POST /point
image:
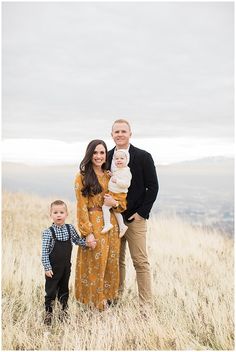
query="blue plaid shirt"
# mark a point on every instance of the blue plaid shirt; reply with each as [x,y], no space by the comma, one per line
[61,235]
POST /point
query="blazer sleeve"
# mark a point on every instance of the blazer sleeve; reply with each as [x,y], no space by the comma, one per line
[151,185]
[84,225]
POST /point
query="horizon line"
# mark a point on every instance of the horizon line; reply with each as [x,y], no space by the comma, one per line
[50,164]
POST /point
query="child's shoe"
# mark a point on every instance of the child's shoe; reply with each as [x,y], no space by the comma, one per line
[48,318]
[107,228]
[63,315]
[123,231]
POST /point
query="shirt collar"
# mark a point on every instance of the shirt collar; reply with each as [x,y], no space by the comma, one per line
[127,149]
[57,227]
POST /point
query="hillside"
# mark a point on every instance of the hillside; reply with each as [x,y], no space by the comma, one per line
[192,284]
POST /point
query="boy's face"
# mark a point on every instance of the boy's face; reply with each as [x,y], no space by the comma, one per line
[59,214]
[120,160]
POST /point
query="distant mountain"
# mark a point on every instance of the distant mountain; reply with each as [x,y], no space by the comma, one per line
[202,190]
[217,160]
[210,159]
[41,180]
[206,166]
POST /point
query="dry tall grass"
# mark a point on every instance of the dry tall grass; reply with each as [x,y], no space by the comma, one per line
[192,283]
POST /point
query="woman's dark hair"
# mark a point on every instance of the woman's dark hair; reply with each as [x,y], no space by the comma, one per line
[90,180]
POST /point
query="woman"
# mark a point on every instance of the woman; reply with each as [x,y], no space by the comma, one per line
[97,271]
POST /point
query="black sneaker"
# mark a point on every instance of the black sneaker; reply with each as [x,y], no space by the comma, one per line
[48,319]
[112,303]
[63,315]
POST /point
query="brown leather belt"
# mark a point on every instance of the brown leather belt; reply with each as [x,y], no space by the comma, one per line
[95,208]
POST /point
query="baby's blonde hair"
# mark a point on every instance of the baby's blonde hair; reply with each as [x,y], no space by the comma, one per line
[120,151]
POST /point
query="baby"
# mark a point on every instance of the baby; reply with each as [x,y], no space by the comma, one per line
[118,187]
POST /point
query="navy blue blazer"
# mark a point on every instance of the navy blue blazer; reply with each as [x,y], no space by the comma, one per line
[144,186]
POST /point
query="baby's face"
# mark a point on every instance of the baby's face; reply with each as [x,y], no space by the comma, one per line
[120,160]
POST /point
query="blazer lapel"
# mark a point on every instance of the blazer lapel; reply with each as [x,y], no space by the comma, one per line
[110,156]
[131,154]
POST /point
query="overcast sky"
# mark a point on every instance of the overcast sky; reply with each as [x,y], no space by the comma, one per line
[70,68]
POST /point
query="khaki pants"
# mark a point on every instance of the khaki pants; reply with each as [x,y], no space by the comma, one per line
[136,238]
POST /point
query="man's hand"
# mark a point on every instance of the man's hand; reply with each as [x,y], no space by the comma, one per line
[49,273]
[136,217]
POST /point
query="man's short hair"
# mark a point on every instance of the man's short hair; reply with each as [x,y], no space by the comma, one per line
[121,121]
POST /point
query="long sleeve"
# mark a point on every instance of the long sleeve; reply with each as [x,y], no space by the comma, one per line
[121,207]
[84,225]
[46,241]
[75,238]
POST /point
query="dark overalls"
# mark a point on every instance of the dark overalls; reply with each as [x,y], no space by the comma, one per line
[60,260]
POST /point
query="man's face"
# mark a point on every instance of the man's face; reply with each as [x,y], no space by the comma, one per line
[121,135]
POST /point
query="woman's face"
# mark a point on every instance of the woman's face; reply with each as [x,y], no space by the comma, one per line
[99,156]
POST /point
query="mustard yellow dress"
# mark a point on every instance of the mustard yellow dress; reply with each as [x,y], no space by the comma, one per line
[97,271]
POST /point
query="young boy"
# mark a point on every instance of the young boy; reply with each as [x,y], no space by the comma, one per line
[56,258]
[118,187]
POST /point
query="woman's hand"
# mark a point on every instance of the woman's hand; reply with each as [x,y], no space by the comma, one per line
[90,241]
[113,179]
[109,201]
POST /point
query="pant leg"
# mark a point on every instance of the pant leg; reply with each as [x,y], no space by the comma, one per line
[136,238]
[63,287]
[51,288]
[122,264]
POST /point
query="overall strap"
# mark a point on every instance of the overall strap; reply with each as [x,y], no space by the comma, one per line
[53,232]
[68,230]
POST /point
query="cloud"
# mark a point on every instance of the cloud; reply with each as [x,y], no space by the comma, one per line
[164,65]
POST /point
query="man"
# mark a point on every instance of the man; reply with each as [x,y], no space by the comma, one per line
[140,198]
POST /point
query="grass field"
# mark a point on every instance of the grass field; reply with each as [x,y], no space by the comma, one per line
[192,284]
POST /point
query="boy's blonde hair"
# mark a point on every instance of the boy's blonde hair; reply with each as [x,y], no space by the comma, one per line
[58,202]
[121,121]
